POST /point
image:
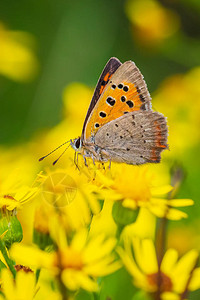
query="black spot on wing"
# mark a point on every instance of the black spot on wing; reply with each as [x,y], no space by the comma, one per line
[110,101]
[102,114]
[143,107]
[130,103]
[125,88]
[142,98]
[123,98]
[96,125]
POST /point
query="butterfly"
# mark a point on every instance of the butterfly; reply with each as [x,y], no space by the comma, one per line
[120,125]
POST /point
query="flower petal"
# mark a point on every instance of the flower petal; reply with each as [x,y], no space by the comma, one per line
[169,260]
[180,202]
[161,190]
[195,280]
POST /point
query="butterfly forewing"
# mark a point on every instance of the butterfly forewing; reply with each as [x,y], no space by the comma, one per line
[109,69]
[125,92]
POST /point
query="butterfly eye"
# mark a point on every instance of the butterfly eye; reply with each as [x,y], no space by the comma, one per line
[77,143]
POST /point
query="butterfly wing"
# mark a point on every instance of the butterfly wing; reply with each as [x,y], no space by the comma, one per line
[137,138]
[125,92]
[109,69]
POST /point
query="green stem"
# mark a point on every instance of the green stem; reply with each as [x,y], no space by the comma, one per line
[7,259]
[37,274]
[95,296]
[119,231]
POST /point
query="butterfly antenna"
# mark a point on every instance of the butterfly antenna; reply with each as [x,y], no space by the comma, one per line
[60,155]
[41,158]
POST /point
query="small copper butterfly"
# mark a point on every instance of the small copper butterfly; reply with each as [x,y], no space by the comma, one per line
[120,125]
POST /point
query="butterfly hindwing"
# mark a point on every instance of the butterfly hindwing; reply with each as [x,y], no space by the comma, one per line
[125,92]
[109,69]
[137,138]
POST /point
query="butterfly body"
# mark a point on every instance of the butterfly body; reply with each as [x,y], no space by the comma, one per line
[120,125]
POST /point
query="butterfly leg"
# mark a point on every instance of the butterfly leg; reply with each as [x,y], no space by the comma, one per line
[110,164]
[93,159]
[76,160]
[84,157]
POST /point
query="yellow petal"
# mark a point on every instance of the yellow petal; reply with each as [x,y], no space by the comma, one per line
[195,280]
[169,261]
[97,248]
[182,269]
[181,202]
[103,267]
[79,240]
[130,203]
[145,255]
[25,285]
[131,266]
[77,279]
[8,284]
[149,256]
[169,296]
[162,190]
[175,214]
[39,258]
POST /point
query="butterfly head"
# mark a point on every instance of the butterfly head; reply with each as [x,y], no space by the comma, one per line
[76,144]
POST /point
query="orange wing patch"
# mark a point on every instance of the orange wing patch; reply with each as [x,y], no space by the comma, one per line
[159,143]
[104,82]
[159,136]
[116,101]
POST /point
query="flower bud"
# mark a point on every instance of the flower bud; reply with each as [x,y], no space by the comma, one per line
[123,215]
[10,227]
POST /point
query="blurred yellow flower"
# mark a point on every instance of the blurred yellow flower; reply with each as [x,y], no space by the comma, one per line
[136,189]
[79,262]
[175,97]
[152,23]
[73,196]
[171,280]
[17,60]
[76,95]
[13,194]
[23,287]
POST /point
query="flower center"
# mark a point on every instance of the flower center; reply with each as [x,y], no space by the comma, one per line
[69,258]
[161,281]
[23,268]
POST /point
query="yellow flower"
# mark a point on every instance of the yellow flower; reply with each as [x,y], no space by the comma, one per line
[79,262]
[174,98]
[13,194]
[171,279]
[17,60]
[23,287]
[152,23]
[136,189]
[70,193]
